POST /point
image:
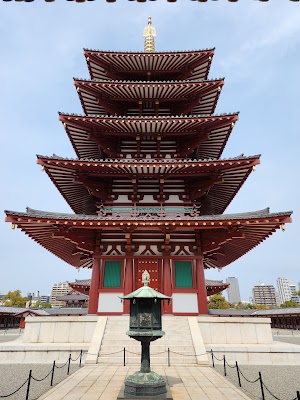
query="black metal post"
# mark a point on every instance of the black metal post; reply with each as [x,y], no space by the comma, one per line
[124,356]
[169,357]
[212,358]
[238,373]
[261,386]
[69,362]
[224,363]
[298,395]
[80,358]
[52,375]
[28,384]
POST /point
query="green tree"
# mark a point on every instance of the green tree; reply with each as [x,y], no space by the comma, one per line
[260,306]
[240,306]
[289,304]
[250,306]
[39,304]
[217,301]
[14,299]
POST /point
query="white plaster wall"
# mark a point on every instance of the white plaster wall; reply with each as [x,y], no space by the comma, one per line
[110,302]
[174,198]
[235,330]
[185,303]
[148,198]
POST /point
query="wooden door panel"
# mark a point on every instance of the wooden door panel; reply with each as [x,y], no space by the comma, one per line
[152,267]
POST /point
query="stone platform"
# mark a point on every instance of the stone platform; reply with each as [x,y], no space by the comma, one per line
[102,382]
[103,339]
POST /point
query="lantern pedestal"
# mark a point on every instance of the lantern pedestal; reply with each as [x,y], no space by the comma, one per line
[145,384]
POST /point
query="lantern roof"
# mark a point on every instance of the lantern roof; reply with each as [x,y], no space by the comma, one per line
[145,292]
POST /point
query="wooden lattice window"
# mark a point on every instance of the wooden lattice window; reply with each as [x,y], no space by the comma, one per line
[112,274]
[183,274]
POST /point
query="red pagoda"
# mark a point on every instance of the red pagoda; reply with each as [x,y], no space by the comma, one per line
[148,187]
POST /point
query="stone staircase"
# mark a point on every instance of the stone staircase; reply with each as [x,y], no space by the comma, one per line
[177,338]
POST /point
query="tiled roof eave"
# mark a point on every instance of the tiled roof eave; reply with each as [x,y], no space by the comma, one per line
[31,213]
[148,83]
[147,117]
[155,53]
[147,160]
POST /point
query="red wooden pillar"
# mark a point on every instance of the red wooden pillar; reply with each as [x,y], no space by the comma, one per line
[167,286]
[201,286]
[128,285]
[94,295]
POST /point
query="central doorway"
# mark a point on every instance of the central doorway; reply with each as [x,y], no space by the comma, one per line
[152,267]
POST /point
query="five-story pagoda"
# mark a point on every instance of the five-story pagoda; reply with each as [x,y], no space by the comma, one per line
[148,187]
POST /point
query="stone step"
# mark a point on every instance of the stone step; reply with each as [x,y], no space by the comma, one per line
[164,326]
[177,337]
[107,348]
[154,360]
[115,337]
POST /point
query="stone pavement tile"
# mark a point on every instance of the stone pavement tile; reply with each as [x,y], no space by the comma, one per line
[76,393]
[101,384]
[190,382]
[233,394]
[197,393]
[90,397]
[85,383]
[52,397]
[186,383]
[180,393]
[206,384]
[94,391]
[110,394]
[213,394]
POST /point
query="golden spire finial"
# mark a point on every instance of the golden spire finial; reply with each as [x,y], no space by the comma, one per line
[149,35]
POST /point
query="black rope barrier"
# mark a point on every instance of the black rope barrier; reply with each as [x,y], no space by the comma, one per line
[51,372]
[275,397]
[62,366]
[52,376]
[238,373]
[188,355]
[132,352]
[246,379]
[40,380]
[218,359]
[263,386]
[77,358]
[28,384]
[230,366]
[108,354]
[19,388]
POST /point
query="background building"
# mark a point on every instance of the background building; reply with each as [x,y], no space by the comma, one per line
[284,289]
[265,294]
[45,298]
[233,292]
[59,289]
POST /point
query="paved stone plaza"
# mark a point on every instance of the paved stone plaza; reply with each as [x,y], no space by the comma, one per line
[102,382]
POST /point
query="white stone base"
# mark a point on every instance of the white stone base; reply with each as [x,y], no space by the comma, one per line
[246,340]
[46,339]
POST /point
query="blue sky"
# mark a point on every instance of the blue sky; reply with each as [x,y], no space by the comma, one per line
[258,53]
